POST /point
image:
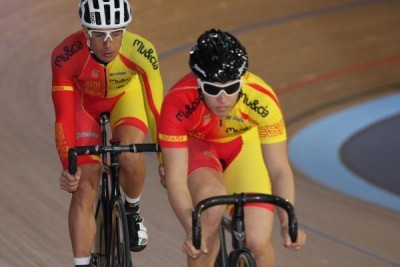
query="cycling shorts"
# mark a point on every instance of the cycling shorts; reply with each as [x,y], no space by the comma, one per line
[240,162]
[124,109]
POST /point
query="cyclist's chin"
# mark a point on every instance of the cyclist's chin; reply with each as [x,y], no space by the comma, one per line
[107,56]
[221,111]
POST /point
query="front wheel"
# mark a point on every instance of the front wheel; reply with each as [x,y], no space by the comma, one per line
[119,253]
[98,258]
[242,258]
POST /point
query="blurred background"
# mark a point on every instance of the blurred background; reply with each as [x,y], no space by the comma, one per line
[321,57]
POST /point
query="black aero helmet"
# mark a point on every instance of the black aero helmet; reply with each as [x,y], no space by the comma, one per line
[218,56]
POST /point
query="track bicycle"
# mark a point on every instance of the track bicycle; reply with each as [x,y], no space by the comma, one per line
[240,255]
[111,245]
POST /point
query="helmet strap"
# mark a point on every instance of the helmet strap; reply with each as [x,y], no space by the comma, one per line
[200,93]
[88,44]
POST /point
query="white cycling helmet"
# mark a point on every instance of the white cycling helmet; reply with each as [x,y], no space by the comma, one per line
[105,14]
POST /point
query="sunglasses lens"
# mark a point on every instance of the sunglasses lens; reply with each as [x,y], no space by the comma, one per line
[212,89]
[233,88]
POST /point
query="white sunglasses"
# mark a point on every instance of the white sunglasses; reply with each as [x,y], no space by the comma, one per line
[102,35]
[214,90]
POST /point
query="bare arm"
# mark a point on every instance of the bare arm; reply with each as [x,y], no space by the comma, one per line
[277,161]
[281,175]
[175,167]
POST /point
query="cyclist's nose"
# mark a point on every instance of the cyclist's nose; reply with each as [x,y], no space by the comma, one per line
[108,42]
[222,98]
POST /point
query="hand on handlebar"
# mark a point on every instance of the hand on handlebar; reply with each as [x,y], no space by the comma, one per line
[191,251]
[287,243]
[70,182]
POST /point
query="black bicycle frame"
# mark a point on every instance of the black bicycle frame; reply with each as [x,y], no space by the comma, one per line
[113,150]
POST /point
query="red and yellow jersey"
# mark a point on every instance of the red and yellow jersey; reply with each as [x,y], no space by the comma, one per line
[183,113]
[76,72]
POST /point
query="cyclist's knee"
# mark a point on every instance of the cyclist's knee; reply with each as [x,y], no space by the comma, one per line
[90,177]
[211,218]
[88,185]
[91,171]
[131,161]
[129,134]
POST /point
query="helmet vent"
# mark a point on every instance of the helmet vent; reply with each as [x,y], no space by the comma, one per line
[107,14]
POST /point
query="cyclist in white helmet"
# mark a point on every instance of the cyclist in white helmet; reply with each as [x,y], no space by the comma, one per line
[104,68]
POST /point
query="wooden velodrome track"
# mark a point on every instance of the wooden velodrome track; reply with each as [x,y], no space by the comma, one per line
[320,56]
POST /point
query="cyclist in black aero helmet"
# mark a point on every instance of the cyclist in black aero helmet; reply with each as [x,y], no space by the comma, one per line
[222,131]
[102,69]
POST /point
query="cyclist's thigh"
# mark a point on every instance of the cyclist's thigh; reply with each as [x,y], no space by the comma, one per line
[247,172]
[87,131]
[86,193]
[90,173]
[205,182]
[202,154]
[204,171]
[130,110]
[129,134]
[259,222]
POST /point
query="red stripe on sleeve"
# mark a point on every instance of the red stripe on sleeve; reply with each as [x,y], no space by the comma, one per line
[266,92]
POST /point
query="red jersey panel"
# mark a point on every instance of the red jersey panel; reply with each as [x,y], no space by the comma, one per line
[183,113]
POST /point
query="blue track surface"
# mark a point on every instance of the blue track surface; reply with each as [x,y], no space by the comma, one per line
[370,163]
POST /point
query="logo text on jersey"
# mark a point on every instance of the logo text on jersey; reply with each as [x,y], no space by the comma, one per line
[61,143]
[255,105]
[86,135]
[92,88]
[173,138]
[69,51]
[232,130]
[272,130]
[189,109]
[148,53]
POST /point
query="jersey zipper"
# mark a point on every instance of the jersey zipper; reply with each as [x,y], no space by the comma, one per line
[105,81]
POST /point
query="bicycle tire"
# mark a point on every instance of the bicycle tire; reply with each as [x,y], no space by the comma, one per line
[242,258]
[99,249]
[119,252]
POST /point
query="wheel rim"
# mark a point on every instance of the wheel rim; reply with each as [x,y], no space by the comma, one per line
[119,254]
